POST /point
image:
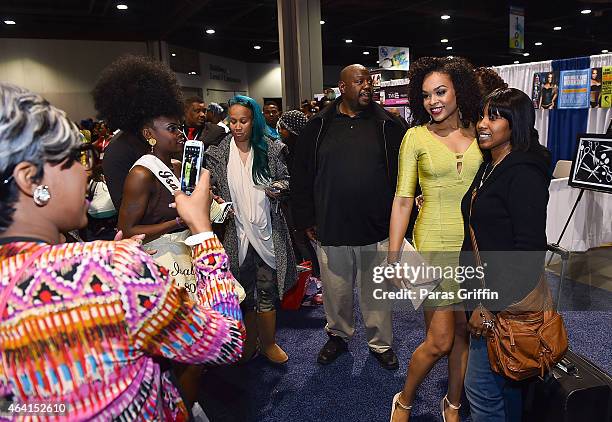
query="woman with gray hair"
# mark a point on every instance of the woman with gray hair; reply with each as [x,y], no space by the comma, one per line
[83,323]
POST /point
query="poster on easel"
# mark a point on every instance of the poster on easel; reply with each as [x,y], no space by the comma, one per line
[574,88]
[606,87]
[592,164]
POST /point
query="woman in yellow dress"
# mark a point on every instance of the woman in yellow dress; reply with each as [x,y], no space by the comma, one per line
[441,155]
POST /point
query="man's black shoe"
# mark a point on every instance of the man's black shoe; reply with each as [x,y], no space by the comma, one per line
[334,347]
[387,359]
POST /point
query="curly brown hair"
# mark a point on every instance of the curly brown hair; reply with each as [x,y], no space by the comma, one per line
[488,80]
[133,90]
[461,73]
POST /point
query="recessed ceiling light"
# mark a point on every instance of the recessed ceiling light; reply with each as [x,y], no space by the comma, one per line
[348,41]
[445,17]
[443,40]
[516,62]
[378,61]
[210,31]
[449,47]
[257,47]
[322,22]
[557,28]
[121,6]
[8,22]
[585,11]
[525,54]
[366,53]
[173,54]
[192,73]
[604,51]
[537,43]
[450,57]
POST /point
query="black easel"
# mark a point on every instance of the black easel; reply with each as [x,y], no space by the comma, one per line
[556,245]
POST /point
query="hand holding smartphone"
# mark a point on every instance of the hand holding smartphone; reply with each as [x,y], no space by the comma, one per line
[193,161]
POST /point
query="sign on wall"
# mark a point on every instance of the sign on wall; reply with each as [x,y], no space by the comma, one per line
[394,58]
[574,88]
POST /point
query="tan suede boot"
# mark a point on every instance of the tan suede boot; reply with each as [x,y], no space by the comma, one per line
[249,347]
[266,326]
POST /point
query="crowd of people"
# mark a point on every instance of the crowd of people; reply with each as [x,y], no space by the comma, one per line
[121,324]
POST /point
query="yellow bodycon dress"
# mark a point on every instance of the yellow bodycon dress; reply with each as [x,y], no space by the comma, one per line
[427,160]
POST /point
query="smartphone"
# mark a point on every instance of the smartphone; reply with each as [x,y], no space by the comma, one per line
[193,161]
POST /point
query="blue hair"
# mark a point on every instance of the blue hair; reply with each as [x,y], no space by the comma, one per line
[259,131]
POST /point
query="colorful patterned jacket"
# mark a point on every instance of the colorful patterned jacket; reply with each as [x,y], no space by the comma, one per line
[86,324]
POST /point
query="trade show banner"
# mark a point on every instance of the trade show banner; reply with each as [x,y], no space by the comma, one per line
[394,58]
[606,87]
[517,29]
[545,91]
[595,87]
[574,88]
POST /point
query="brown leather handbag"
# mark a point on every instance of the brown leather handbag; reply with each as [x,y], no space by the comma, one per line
[529,336]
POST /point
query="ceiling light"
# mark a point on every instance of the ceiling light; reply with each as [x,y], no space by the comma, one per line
[445,17]
[348,41]
[378,61]
[121,6]
[450,57]
[8,22]
[537,43]
[173,54]
[604,51]
[557,28]
[525,54]
[516,62]
[585,11]
[192,73]
[322,22]
[257,47]
[449,48]
[210,31]
[443,40]
[366,53]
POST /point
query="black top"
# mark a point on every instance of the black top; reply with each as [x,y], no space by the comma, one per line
[209,133]
[509,220]
[343,179]
[124,150]
[351,192]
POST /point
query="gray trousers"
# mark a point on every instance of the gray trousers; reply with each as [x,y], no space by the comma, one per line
[341,270]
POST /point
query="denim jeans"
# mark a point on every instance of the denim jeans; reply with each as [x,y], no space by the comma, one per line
[492,397]
[257,277]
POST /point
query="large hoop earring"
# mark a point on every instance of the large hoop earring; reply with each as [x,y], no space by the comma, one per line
[41,195]
[152,142]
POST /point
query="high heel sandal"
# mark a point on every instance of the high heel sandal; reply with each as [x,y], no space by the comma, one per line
[445,402]
[397,403]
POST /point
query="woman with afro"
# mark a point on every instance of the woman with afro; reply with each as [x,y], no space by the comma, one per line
[441,155]
[142,98]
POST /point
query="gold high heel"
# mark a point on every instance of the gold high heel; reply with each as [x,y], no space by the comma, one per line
[444,401]
[397,403]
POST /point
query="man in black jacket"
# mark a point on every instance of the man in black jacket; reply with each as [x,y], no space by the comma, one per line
[196,127]
[342,188]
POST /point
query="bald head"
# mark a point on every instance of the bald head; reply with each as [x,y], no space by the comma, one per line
[347,73]
[356,88]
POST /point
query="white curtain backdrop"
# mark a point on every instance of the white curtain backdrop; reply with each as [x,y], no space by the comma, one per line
[520,76]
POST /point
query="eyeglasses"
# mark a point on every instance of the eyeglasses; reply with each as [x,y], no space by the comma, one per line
[86,154]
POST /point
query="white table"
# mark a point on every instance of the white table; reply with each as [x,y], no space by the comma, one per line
[591,224]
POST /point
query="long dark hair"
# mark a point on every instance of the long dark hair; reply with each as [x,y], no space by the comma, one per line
[517,108]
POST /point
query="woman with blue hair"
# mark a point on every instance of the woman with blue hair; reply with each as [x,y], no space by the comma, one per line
[248,168]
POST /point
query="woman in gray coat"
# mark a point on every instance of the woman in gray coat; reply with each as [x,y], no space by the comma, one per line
[248,169]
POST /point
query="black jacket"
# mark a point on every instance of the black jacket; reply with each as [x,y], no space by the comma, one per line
[509,221]
[392,130]
[210,134]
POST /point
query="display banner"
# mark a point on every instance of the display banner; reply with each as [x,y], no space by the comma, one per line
[595,94]
[517,29]
[545,90]
[606,87]
[574,88]
[394,58]
[536,89]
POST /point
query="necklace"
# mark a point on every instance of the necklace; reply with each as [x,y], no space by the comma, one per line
[485,176]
